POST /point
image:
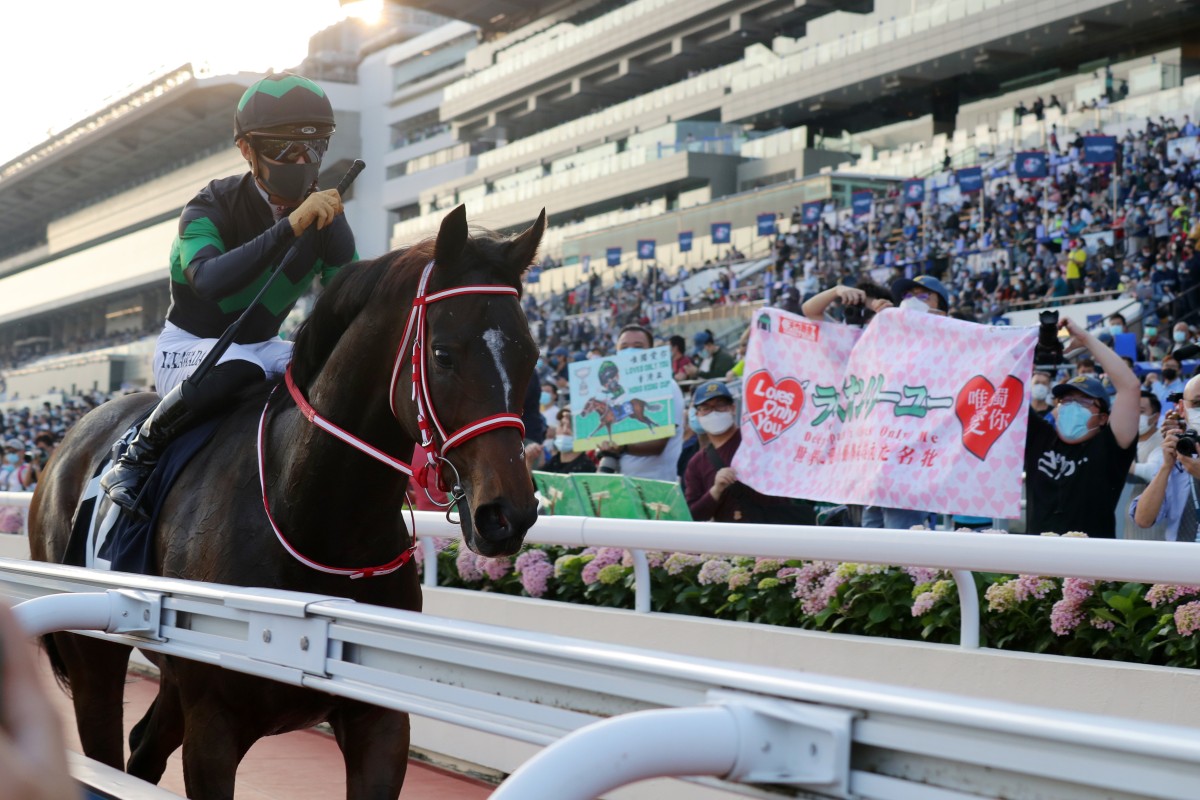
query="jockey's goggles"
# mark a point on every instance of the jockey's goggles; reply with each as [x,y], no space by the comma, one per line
[291,151]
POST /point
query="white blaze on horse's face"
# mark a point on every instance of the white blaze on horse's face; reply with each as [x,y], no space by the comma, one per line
[494,339]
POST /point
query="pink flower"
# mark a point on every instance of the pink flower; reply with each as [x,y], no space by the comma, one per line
[1187,618]
[1078,589]
[530,557]
[1001,597]
[535,577]
[1101,623]
[468,568]
[676,563]
[921,575]
[1163,593]
[1066,616]
[923,604]
[495,568]
[605,556]
[714,571]
[1027,586]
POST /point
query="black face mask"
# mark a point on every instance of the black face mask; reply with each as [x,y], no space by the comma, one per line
[1170,374]
[288,181]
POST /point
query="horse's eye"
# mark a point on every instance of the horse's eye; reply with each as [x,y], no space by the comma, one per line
[442,356]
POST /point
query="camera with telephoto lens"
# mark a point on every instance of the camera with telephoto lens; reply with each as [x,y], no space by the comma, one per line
[609,463]
[1049,349]
[1189,439]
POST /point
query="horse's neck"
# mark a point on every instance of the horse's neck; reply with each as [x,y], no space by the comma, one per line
[327,492]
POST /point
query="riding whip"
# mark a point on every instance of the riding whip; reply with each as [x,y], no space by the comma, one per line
[227,337]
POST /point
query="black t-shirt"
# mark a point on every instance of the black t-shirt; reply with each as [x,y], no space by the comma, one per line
[580,464]
[1074,487]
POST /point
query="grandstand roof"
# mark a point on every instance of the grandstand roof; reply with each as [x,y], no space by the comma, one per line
[490,15]
[144,133]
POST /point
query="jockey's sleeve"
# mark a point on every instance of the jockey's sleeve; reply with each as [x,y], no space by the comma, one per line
[337,248]
[215,272]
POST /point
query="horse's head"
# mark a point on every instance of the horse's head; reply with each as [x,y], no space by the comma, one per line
[478,363]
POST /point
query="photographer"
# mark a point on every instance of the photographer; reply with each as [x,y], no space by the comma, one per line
[1075,470]
[860,304]
[1170,500]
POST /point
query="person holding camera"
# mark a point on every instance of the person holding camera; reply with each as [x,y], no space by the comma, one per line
[859,304]
[1171,500]
[1075,469]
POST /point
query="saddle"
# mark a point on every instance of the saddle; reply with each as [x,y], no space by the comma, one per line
[103,536]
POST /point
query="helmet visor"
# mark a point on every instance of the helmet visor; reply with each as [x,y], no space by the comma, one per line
[291,151]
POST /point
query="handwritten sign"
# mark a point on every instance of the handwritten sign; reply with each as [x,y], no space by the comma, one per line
[916,411]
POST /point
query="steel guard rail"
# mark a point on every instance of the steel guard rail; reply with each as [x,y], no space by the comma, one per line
[634,713]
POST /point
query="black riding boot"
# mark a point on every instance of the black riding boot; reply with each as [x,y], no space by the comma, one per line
[123,483]
[184,407]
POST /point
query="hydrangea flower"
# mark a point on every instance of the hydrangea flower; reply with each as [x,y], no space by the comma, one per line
[611,573]
[923,604]
[605,556]
[766,565]
[768,583]
[676,563]
[1001,597]
[1187,618]
[739,577]
[921,575]
[1035,586]
[535,578]
[1163,593]
[495,568]
[468,568]
[714,571]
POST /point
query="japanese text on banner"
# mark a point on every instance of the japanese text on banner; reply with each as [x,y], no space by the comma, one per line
[916,411]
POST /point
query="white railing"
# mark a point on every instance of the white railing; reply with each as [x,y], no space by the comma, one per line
[627,713]
[960,553]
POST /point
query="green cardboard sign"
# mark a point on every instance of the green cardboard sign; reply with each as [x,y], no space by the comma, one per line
[562,495]
[662,499]
[610,496]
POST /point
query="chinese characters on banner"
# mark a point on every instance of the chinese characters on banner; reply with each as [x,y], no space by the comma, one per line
[624,398]
[916,411]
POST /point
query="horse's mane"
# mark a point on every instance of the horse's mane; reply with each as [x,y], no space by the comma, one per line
[347,294]
[341,301]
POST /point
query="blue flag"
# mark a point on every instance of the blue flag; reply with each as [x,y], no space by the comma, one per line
[586,261]
[721,232]
[1032,165]
[1099,149]
[914,192]
[970,179]
[810,213]
[613,255]
[766,224]
[645,249]
[685,241]
[861,202]
[534,275]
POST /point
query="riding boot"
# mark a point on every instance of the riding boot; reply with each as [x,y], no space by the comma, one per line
[124,482]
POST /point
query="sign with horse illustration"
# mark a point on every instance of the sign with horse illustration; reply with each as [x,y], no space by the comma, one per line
[624,398]
[837,414]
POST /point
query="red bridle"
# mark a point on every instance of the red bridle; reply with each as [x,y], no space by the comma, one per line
[416,329]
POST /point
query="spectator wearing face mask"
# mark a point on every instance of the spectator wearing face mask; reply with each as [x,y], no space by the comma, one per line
[1075,470]
[1145,466]
[1171,501]
[1039,396]
[1171,382]
[710,485]
[923,293]
[1180,335]
[565,459]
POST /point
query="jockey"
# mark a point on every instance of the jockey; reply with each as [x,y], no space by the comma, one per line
[229,241]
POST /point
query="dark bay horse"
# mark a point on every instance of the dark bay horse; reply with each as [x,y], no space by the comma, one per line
[611,414]
[336,506]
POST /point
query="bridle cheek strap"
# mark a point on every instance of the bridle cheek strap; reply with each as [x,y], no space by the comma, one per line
[414,328]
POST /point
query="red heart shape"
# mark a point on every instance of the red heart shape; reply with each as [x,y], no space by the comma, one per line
[772,407]
[985,412]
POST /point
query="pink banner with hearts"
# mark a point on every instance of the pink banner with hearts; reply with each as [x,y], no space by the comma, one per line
[915,411]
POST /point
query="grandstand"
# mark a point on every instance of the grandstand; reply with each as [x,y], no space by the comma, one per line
[628,121]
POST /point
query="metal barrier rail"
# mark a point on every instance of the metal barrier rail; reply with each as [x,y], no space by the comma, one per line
[635,713]
[959,552]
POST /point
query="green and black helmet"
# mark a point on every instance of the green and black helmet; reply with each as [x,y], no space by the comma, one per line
[285,104]
[608,371]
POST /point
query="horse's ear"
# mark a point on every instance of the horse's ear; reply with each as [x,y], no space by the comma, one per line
[523,249]
[452,237]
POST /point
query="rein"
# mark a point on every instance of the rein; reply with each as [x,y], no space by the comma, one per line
[415,328]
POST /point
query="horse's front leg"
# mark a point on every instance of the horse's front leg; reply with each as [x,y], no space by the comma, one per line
[374,743]
[216,740]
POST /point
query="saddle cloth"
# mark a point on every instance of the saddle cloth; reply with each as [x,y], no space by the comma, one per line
[107,538]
